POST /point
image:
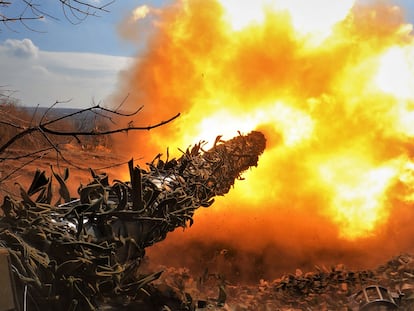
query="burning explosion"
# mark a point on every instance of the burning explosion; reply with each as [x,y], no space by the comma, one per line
[329,83]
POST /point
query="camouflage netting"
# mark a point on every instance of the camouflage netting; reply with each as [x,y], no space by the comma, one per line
[82,253]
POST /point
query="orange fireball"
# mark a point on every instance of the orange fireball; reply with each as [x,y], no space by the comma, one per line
[330,84]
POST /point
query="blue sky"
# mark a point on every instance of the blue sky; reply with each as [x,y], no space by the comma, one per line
[61,61]
[81,62]
[93,35]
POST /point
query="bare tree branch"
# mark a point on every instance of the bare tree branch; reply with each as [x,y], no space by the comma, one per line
[12,125]
[27,138]
[58,151]
[17,169]
[6,19]
[43,127]
[119,130]
[75,11]
[17,137]
[26,155]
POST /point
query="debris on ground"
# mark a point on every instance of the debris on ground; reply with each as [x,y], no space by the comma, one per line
[333,288]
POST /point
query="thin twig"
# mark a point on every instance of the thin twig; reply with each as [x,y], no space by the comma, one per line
[58,151]
[110,132]
[19,168]
[75,11]
[26,155]
[111,166]
[12,125]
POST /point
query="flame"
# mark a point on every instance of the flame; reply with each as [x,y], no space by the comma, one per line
[357,189]
[306,20]
[330,83]
[397,62]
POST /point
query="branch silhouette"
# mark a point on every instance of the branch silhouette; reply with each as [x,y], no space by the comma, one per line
[42,127]
[45,131]
[75,11]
